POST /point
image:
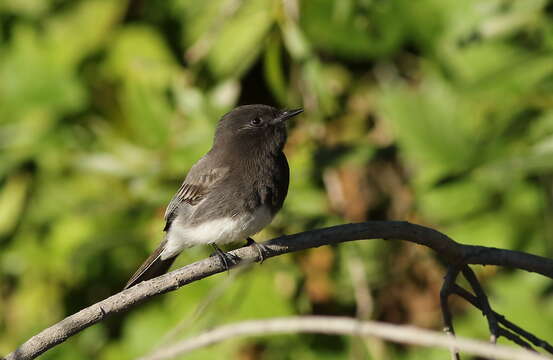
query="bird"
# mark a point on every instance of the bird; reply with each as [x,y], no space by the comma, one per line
[229,194]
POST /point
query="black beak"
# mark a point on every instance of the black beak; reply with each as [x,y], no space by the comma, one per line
[287,114]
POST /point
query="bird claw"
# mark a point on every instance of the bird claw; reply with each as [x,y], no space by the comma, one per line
[261,249]
[224,257]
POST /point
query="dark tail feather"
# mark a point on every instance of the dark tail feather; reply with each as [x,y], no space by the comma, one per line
[151,268]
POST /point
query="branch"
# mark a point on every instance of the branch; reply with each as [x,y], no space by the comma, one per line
[483,301]
[445,292]
[332,325]
[511,330]
[449,250]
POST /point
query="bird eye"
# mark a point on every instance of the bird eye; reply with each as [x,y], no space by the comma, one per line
[256,121]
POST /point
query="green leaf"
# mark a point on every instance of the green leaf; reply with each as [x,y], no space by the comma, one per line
[429,122]
[235,46]
[455,201]
[12,201]
[352,29]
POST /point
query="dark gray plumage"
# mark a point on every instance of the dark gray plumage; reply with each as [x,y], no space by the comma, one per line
[232,192]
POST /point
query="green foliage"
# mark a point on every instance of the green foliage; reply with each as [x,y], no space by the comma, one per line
[434,111]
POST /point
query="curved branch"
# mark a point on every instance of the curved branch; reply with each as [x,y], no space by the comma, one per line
[449,250]
[333,325]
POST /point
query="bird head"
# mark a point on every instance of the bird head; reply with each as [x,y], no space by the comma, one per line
[255,126]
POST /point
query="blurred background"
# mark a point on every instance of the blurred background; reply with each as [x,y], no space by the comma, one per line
[438,112]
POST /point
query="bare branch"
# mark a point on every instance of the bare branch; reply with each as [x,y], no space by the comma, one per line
[344,326]
[514,338]
[506,323]
[449,250]
[484,303]
[445,292]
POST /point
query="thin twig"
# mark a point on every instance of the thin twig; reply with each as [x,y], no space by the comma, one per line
[525,334]
[445,292]
[515,338]
[484,302]
[506,333]
[536,341]
[343,326]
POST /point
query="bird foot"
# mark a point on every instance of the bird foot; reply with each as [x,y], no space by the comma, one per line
[226,259]
[261,249]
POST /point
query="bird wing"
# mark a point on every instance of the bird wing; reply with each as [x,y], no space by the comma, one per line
[194,188]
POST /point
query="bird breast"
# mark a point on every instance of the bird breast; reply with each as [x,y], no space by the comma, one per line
[222,230]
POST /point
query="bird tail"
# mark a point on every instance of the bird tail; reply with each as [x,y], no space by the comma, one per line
[153,266]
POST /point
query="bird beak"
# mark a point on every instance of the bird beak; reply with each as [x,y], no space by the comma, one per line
[287,114]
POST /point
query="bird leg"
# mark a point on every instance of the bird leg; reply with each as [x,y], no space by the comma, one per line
[261,249]
[223,256]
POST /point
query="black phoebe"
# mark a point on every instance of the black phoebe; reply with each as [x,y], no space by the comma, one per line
[232,192]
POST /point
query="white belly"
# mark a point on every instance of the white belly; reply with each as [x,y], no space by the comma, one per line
[218,231]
